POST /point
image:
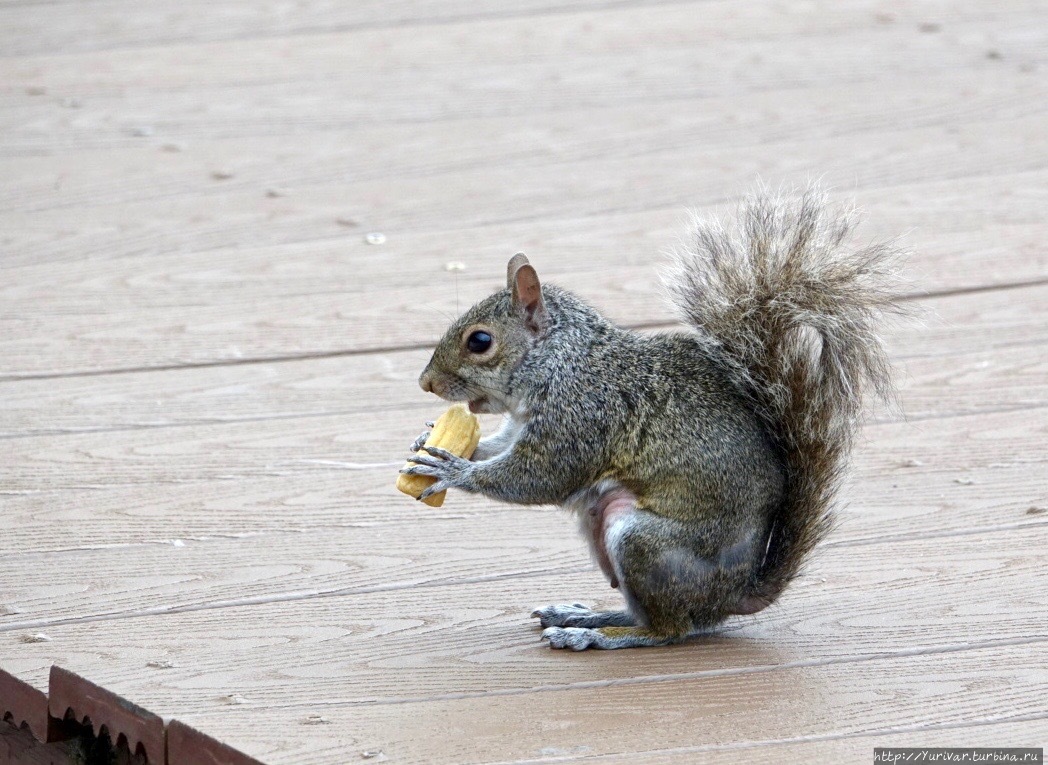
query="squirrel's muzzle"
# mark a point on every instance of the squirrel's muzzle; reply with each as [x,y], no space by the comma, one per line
[425,381]
[432,381]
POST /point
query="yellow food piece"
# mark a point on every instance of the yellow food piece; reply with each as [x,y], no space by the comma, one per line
[458,431]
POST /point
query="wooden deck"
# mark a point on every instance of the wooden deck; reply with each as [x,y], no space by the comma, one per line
[207,372]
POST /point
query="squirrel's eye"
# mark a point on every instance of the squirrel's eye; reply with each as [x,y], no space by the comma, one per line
[478,342]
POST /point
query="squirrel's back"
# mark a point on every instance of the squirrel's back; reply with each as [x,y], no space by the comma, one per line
[790,311]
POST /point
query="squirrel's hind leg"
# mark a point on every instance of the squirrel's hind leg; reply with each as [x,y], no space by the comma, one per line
[673,584]
[677,580]
[576,626]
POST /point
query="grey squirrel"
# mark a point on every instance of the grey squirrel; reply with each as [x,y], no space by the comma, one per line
[703,465]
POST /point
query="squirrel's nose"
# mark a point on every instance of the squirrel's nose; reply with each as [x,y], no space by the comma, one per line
[426,382]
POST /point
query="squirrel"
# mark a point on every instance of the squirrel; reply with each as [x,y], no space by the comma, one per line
[703,464]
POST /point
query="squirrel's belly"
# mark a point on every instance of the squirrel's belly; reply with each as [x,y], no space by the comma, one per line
[599,508]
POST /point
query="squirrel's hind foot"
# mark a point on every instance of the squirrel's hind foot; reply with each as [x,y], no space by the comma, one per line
[578,615]
[607,638]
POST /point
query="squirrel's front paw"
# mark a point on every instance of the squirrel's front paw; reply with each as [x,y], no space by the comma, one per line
[450,470]
[575,638]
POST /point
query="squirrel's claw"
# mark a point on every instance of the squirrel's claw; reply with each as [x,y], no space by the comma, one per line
[435,488]
[421,440]
[424,459]
[428,470]
[444,454]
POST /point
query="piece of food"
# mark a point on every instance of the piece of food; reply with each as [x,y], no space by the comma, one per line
[458,431]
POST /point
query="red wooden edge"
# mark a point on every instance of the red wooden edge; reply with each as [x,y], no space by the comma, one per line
[188,746]
[26,705]
[140,727]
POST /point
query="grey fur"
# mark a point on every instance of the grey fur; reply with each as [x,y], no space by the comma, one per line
[578,615]
[581,638]
[728,442]
[792,311]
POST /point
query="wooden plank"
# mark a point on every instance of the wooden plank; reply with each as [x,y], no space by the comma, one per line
[307,537]
[36,28]
[189,746]
[24,705]
[915,490]
[472,646]
[659,147]
[46,335]
[73,697]
[43,589]
[278,55]
[985,733]
[24,750]
[476,639]
[190,137]
[949,365]
[689,175]
[42,29]
[333,445]
[990,226]
[833,702]
[140,168]
[476,47]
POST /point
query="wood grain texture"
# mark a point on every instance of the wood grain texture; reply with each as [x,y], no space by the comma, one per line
[476,639]
[352,446]
[969,475]
[691,174]
[114,25]
[191,212]
[191,313]
[358,151]
[957,361]
[334,322]
[207,376]
[858,747]
[838,701]
[611,41]
[898,498]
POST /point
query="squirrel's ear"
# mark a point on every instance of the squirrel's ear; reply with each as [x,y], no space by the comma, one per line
[518,260]
[527,295]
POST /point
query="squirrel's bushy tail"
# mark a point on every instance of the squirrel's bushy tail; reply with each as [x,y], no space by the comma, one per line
[792,309]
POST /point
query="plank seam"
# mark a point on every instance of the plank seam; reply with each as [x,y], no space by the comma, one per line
[16,377]
[403,24]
